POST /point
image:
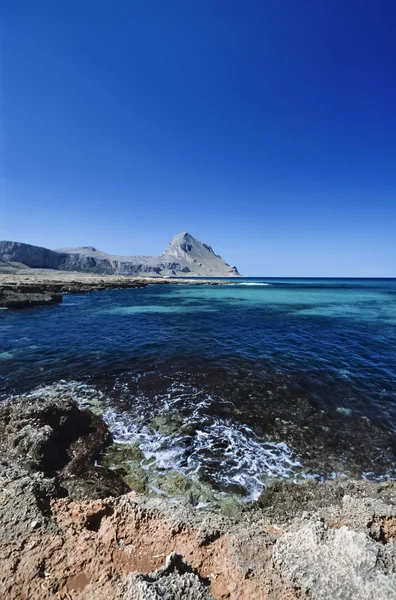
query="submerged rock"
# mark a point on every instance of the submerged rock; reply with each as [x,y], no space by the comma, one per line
[125,460]
[167,423]
[118,454]
[136,478]
[173,483]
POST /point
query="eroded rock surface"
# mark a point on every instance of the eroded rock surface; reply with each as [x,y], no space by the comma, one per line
[71,530]
[174,581]
[337,563]
[52,440]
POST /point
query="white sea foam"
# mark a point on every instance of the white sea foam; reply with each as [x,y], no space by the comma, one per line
[7,355]
[232,455]
[156,308]
[252,283]
[226,452]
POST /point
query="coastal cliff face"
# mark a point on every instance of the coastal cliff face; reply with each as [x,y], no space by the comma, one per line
[185,255]
[32,256]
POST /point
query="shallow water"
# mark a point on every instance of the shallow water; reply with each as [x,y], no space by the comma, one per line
[285,378]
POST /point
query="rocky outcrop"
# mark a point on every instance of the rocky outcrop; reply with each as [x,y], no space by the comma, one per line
[69,530]
[41,288]
[28,291]
[52,439]
[336,563]
[185,255]
[17,299]
[172,581]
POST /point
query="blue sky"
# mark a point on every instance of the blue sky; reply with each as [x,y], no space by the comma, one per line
[267,129]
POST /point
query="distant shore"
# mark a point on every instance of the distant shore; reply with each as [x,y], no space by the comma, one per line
[40,287]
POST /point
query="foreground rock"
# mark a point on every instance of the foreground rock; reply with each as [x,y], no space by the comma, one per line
[337,563]
[172,581]
[68,530]
[51,439]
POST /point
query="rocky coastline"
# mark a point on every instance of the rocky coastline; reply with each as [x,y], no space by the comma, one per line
[70,528]
[45,287]
[184,255]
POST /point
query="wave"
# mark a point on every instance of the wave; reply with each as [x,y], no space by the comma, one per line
[176,433]
[253,284]
[227,455]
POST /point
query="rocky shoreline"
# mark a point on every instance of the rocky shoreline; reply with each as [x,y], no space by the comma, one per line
[45,287]
[70,528]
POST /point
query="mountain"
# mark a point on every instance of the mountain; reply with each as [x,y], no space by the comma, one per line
[197,256]
[185,255]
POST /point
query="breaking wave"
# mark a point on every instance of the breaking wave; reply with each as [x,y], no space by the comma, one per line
[252,283]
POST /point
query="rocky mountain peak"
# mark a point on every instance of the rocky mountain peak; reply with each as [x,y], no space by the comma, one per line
[184,241]
[199,257]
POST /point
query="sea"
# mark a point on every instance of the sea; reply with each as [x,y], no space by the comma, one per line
[232,386]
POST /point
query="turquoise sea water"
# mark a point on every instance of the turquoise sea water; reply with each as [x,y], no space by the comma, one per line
[265,377]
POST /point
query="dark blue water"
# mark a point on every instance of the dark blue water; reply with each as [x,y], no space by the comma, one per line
[310,364]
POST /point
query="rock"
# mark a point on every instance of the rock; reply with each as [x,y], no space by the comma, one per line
[118,454]
[173,483]
[40,288]
[125,460]
[11,299]
[283,501]
[64,534]
[28,291]
[174,581]
[114,548]
[230,507]
[341,563]
[54,437]
[136,478]
[167,423]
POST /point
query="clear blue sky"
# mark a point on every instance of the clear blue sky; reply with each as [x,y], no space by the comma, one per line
[267,129]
